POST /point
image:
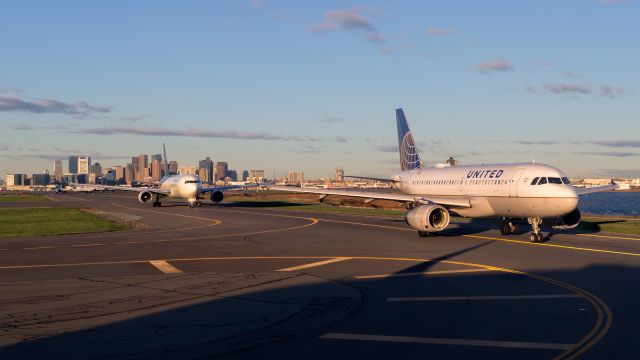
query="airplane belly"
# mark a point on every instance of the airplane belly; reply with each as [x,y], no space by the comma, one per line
[528,207]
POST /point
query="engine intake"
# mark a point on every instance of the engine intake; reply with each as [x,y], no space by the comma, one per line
[432,218]
[145,197]
[567,222]
[217,196]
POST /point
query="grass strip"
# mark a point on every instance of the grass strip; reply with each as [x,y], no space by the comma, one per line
[21,222]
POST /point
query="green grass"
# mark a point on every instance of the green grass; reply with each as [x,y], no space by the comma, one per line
[52,221]
[614,225]
[8,198]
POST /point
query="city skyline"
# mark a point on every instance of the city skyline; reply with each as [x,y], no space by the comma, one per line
[309,87]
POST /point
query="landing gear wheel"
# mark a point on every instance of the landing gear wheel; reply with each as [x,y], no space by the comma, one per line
[536,238]
[423,233]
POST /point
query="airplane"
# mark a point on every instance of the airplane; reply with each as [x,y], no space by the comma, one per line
[531,191]
[186,186]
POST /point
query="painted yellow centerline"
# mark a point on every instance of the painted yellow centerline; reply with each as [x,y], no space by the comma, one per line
[165,267]
[314,264]
[610,237]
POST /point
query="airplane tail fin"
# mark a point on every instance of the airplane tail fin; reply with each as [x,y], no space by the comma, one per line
[409,156]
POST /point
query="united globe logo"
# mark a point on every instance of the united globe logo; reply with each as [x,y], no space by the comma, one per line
[409,158]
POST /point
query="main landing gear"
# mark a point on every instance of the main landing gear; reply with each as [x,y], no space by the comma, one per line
[194,203]
[426,233]
[508,227]
[536,236]
[156,202]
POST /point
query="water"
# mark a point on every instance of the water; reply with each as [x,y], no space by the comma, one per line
[611,203]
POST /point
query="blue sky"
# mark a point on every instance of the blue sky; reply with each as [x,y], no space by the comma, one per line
[308,86]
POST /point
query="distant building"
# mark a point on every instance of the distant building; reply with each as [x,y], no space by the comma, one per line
[40,179]
[173,168]
[452,162]
[221,170]
[57,170]
[84,164]
[203,174]
[597,182]
[118,174]
[129,174]
[208,165]
[82,178]
[188,170]
[339,174]
[73,164]
[245,175]
[256,175]
[156,170]
[69,178]
[233,175]
[95,169]
[15,179]
[156,157]
[141,167]
[295,177]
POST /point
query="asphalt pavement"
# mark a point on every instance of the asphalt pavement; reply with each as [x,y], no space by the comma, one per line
[231,281]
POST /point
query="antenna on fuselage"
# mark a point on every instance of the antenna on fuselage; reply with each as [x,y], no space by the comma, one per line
[166,163]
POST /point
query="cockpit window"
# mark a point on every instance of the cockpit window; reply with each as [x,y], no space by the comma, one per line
[535,181]
[555,180]
[566,180]
[543,180]
[192,182]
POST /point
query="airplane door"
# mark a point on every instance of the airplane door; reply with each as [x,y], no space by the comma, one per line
[513,182]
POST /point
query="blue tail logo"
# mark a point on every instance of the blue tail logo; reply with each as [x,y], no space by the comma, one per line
[409,157]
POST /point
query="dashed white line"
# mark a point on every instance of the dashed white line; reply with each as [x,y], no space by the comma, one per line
[314,264]
[464,298]
[443,341]
[165,267]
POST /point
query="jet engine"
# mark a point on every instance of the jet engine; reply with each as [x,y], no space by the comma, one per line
[217,196]
[567,222]
[428,218]
[145,197]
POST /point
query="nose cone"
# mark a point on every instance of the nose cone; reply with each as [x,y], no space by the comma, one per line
[569,198]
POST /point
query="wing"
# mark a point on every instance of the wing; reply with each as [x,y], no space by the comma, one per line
[595,189]
[370,178]
[227,187]
[125,188]
[446,201]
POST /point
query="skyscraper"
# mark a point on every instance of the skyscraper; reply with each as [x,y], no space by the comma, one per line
[339,174]
[73,164]
[84,163]
[233,175]
[129,174]
[173,168]
[57,170]
[156,170]
[143,164]
[221,170]
[245,175]
[208,165]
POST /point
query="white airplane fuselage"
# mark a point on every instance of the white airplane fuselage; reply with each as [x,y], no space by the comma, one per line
[182,186]
[503,190]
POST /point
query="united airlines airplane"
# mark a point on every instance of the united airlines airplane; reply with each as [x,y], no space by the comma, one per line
[187,187]
[535,192]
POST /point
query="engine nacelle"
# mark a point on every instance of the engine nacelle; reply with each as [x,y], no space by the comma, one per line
[567,222]
[217,196]
[432,218]
[145,197]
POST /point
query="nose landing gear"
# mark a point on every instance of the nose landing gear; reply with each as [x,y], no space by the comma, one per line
[536,236]
[508,227]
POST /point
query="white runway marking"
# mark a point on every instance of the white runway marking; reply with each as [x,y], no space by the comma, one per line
[165,267]
[464,298]
[382,276]
[442,341]
[314,264]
